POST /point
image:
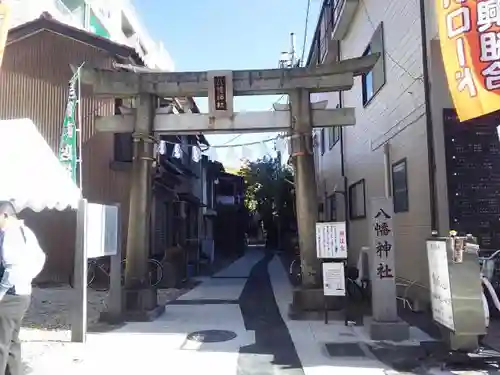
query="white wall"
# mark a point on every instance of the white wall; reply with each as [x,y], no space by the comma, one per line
[396,115]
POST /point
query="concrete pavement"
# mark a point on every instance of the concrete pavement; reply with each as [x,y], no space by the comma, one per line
[246,304]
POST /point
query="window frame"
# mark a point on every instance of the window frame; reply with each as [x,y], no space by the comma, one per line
[332,207]
[352,188]
[122,152]
[400,206]
[365,98]
[364,84]
[333,136]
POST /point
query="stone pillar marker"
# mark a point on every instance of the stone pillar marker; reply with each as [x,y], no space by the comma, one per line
[386,324]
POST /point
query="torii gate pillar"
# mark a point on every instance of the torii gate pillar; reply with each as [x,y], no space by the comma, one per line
[305,185]
[139,296]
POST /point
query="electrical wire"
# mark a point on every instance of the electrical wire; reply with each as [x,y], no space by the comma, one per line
[236,145]
[232,139]
[305,32]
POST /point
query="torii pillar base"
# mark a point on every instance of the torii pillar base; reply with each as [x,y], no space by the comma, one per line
[141,305]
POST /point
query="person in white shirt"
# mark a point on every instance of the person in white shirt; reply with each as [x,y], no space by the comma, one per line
[21,260]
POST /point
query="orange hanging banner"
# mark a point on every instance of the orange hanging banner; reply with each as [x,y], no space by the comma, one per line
[469,32]
[4,28]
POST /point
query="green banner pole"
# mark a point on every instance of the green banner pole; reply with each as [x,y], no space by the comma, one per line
[68,147]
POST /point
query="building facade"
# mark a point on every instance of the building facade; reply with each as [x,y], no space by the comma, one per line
[404,143]
[116,20]
[34,84]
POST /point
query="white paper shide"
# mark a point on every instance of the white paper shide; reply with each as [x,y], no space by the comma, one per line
[331,240]
[442,308]
[333,279]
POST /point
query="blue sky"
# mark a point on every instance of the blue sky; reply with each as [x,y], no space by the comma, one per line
[229,34]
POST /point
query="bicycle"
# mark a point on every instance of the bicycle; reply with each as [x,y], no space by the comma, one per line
[354,291]
[491,302]
[155,272]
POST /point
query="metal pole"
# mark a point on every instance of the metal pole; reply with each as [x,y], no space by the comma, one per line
[79,308]
[115,275]
[79,130]
[292,50]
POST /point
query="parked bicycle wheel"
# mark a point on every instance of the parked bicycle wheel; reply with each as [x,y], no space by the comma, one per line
[296,272]
[90,274]
[155,272]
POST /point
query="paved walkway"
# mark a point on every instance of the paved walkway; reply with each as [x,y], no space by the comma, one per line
[250,300]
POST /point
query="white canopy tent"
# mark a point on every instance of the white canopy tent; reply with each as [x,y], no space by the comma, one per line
[30,173]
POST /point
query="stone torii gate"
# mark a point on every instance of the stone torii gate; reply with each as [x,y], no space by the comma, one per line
[298,118]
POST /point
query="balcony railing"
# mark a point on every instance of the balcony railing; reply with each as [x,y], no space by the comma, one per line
[336,12]
[341,16]
[76,18]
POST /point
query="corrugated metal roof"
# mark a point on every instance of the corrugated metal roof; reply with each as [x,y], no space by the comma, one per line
[47,23]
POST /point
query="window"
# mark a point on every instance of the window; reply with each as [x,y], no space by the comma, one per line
[400,186]
[323,37]
[123,147]
[123,142]
[322,141]
[373,81]
[332,207]
[333,136]
[357,200]
[96,26]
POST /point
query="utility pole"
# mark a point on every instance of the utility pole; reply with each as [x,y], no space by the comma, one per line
[287,59]
[221,86]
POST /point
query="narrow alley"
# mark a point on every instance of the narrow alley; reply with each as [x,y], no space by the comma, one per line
[233,323]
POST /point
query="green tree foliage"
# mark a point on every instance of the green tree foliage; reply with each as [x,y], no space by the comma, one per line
[270,194]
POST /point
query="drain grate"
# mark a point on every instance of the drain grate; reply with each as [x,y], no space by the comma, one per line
[344,350]
[212,335]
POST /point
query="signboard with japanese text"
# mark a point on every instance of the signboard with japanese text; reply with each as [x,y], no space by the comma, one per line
[441,301]
[470,45]
[4,28]
[382,263]
[220,94]
[331,240]
[333,279]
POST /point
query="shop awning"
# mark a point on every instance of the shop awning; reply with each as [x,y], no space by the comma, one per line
[30,173]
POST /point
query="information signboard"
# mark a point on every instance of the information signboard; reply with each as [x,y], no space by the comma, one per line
[333,279]
[441,301]
[331,240]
